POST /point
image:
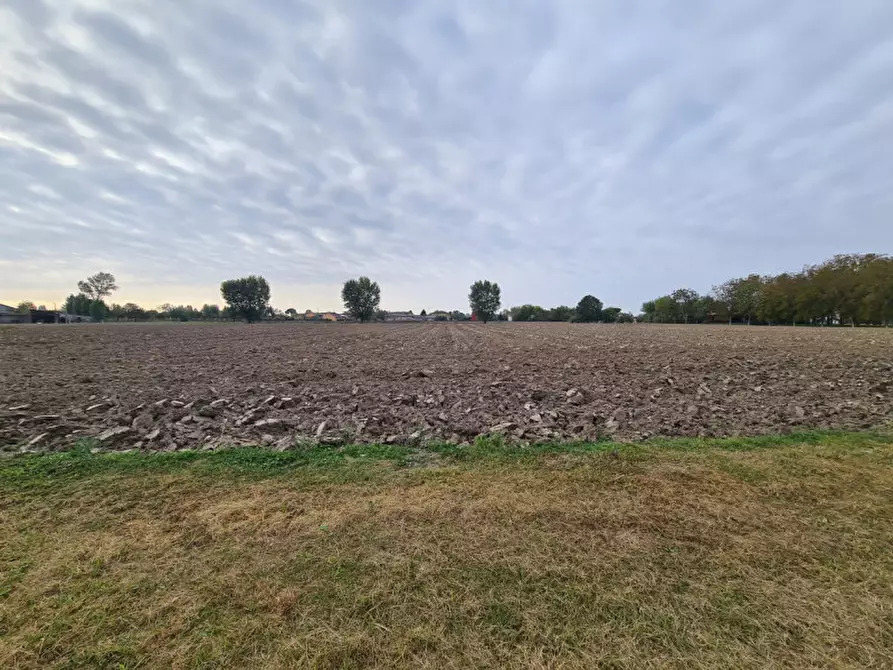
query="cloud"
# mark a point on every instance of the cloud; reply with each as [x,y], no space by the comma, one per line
[560,148]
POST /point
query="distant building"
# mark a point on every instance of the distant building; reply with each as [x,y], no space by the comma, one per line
[310,315]
[10,314]
[406,316]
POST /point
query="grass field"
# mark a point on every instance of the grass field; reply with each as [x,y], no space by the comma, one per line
[762,553]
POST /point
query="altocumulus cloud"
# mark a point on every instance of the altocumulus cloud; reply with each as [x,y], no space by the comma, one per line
[622,148]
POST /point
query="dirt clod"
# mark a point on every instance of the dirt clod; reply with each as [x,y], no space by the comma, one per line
[113,434]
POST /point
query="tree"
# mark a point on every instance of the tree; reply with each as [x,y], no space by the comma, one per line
[210,312]
[182,313]
[25,307]
[116,311]
[703,309]
[134,312]
[292,312]
[527,313]
[685,299]
[611,314]
[747,295]
[98,286]
[877,305]
[456,315]
[666,310]
[423,313]
[625,317]
[648,311]
[484,299]
[78,305]
[560,313]
[725,296]
[589,309]
[98,310]
[361,297]
[776,305]
[247,297]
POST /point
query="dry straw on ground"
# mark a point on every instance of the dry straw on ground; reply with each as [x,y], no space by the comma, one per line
[650,557]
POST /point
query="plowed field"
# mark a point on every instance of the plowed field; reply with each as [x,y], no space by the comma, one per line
[176,386]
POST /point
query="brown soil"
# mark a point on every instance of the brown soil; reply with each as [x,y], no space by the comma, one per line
[173,386]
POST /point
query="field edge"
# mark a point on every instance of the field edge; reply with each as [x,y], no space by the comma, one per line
[85,460]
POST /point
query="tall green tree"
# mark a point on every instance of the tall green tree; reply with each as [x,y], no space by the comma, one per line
[648,311]
[247,298]
[98,286]
[484,299]
[527,313]
[560,313]
[589,309]
[724,295]
[685,299]
[877,304]
[98,310]
[25,307]
[747,296]
[611,314]
[361,298]
[666,310]
[78,305]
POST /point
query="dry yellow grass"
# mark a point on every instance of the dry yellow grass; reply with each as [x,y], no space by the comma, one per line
[709,558]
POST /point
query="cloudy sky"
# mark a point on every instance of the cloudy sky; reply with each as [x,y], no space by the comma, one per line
[619,148]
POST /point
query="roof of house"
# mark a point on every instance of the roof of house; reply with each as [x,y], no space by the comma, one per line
[6,308]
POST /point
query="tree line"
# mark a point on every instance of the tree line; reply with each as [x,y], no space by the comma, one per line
[589,310]
[854,289]
[848,289]
[248,299]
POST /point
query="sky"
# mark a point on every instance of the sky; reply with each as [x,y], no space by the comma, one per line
[620,148]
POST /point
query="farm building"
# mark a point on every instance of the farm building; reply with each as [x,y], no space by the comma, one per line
[12,315]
